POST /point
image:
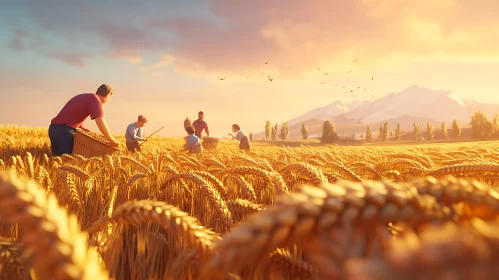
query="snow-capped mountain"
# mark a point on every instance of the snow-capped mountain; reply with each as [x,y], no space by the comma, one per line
[417,101]
[414,104]
[327,112]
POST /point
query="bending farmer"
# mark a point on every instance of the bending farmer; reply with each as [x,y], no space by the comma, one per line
[244,143]
[72,116]
[134,134]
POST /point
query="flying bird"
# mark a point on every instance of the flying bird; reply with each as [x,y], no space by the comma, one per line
[372,95]
[358,87]
[317,68]
[262,74]
[248,70]
[349,72]
[351,90]
[282,69]
[270,79]
[372,78]
[327,73]
[221,79]
[265,62]
[343,87]
[355,60]
[323,82]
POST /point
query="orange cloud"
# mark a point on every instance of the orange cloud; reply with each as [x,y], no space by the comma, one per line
[331,34]
[166,60]
[135,59]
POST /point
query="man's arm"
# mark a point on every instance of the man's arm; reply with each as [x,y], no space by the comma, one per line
[129,132]
[139,135]
[101,123]
[84,129]
[206,129]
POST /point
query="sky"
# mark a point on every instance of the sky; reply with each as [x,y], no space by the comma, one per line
[164,59]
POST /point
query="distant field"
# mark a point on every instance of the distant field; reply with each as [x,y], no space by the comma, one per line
[406,138]
[311,212]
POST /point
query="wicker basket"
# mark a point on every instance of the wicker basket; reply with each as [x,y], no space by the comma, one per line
[210,143]
[89,146]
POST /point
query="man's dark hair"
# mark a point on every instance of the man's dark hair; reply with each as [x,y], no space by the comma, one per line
[200,113]
[104,90]
[189,130]
[236,127]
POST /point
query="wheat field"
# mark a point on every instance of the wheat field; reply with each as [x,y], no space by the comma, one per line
[367,212]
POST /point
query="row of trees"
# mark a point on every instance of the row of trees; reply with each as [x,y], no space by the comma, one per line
[271,131]
[430,131]
[481,128]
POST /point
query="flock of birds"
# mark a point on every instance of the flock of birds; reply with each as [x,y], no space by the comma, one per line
[322,83]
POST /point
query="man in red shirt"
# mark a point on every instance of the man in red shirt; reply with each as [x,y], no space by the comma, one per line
[199,125]
[72,116]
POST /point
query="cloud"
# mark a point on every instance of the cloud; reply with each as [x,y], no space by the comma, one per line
[131,58]
[103,30]
[17,42]
[74,59]
[156,69]
[134,59]
[232,36]
[166,60]
[331,34]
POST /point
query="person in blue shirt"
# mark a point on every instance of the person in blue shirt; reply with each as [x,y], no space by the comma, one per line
[193,143]
[244,143]
[134,134]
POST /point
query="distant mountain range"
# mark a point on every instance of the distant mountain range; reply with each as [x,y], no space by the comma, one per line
[414,104]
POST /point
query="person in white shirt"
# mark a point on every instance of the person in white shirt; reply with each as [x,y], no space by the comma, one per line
[193,143]
[134,134]
[241,136]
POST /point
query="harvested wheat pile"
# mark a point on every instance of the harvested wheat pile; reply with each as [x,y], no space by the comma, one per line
[405,212]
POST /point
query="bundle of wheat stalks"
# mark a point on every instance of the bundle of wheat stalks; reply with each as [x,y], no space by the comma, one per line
[420,212]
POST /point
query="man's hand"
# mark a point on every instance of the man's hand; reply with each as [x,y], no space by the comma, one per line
[113,143]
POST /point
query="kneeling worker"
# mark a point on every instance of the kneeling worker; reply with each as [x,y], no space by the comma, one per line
[134,134]
[193,143]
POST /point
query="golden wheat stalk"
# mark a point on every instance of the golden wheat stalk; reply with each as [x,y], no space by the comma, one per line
[466,252]
[178,223]
[217,202]
[240,208]
[217,184]
[60,248]
[464,168]
[451,190]
[136,162]
[289,263]
[245,188]
[11,253]
[313,174]
[135,178]
[76,171]
[299,216]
